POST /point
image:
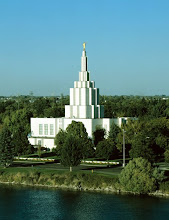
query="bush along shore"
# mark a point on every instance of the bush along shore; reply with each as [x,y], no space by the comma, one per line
[66,179]
[73,181]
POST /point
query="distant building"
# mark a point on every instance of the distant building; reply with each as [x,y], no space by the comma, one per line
[84,107]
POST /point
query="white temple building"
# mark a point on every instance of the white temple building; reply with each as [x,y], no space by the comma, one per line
[84,107]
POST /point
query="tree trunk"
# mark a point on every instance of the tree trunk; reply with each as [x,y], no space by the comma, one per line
[70,169]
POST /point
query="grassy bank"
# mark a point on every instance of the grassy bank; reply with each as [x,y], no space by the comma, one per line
[59,179]
[77,180]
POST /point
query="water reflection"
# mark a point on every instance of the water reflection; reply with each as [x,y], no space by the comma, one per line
[34,203]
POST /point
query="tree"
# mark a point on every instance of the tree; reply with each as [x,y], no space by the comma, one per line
[77,129]
[145,137]
[140,177]
[73,144]
[59,141]
[88,148]
[166,156]
[98,135]
[106,149]
[19,125]
[141,148]
[71,151]
[114,130]
[39,151]
[6,147]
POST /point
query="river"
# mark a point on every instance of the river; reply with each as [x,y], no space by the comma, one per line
[30,203]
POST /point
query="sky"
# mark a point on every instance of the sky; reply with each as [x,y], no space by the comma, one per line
[41,46]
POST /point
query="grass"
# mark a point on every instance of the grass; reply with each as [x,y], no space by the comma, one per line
[45,154]
[57,168]
[54,175]
[57,178]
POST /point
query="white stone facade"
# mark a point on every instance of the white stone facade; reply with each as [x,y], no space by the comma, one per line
[84,97]
[84,107]
[42,134]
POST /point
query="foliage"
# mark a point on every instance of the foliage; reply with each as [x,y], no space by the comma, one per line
[99,135]
[77,129]
[114,131]
[71,151]
[106,149]
[140,177]
[6,147]
[152,113]
[73,144]
[166,156]
[88,148]
[39,151]
[55,178]
[146,137]
[59,141]
[19,125]
[141,148]
[164,187]
[135,106]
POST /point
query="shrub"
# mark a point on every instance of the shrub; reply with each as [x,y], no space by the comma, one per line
[140,177]
[164,187]
[166,156]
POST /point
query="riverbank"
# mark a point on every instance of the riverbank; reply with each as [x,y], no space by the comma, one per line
[59,179]
[70,181]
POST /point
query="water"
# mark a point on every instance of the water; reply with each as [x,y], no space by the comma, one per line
[19,203]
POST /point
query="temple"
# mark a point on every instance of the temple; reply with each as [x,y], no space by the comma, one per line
[84,107]
[84,97]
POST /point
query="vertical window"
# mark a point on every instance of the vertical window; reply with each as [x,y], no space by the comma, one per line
[51,129]
[46,129]
[40,129]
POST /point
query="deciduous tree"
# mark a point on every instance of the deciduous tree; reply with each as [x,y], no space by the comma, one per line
[98,135]
[71,151]
[6,147]
[73,144]
[106,149]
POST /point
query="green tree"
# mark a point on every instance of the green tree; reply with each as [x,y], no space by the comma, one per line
[39,151]
[88,148]
[80,143]
[141,148]
[166,156]
[71,151]
[59,141]
[19,125]
[77,129]
[6,147]
[99,135]
[106,149]
[114,130]
[140,177]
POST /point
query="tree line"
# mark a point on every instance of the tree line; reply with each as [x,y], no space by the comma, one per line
[147,137]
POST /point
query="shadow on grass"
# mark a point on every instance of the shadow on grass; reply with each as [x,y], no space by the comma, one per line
[30,164]
[102,168]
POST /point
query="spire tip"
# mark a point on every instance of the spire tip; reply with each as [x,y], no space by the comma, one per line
[84,46]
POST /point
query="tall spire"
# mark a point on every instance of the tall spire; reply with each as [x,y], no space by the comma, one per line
[84,59]
[84,97]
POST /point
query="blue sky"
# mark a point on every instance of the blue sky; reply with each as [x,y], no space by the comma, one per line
[127,46]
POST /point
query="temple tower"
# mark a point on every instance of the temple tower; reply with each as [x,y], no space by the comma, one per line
[84,97]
